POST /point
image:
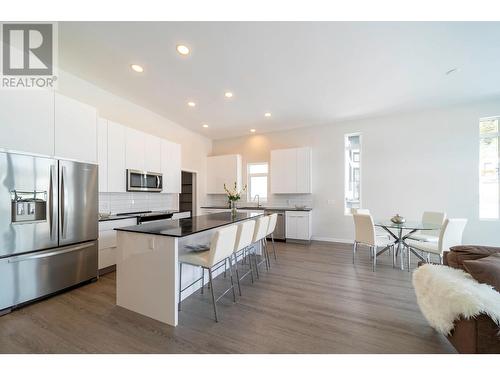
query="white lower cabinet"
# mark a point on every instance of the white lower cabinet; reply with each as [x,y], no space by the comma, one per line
[298,225]
[107,240]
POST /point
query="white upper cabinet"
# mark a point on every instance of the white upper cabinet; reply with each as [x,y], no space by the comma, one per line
[27,121]
[152,153]
[171,166]
[134,154]
[116,158]
[283,178]
[304,170]
[102,153]
[75,130]
[291,171]
[223,169]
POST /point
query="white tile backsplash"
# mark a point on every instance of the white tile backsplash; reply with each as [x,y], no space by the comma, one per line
[129,202]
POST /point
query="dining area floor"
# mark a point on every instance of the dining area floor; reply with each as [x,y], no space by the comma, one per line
[312,300]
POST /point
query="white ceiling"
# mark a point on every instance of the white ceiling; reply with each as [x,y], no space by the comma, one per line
[305,73]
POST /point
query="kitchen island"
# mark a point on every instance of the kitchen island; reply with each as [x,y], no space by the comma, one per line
[147,267]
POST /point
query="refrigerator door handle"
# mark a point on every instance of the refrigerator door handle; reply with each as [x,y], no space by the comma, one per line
[63,203]
[51,203]
[59,251]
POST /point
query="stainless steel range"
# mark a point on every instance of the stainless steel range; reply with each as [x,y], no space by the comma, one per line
[48,226]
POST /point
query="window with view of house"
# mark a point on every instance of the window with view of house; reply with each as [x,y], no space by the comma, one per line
[352,172]
[257,181]
[489,187]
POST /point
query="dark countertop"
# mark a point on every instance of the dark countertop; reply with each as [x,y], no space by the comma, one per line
[137,214]
[261,208]
[188,226]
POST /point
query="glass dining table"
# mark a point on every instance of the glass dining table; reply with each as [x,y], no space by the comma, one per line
[401,232]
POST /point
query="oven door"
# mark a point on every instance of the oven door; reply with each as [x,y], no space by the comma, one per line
[144,181]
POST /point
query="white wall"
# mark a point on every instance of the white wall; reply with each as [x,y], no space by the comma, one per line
[410,163]
[195,147]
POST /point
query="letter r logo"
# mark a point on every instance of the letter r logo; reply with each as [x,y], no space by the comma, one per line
[27,49]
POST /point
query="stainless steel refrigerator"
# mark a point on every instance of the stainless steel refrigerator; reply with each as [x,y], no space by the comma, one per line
[48,226]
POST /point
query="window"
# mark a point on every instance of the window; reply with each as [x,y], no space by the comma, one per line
[489,188]
[352,172]
[257,181]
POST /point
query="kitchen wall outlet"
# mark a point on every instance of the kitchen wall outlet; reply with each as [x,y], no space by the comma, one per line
[331,201]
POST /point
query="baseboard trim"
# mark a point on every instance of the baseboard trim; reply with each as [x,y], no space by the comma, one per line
[106,270]
[331,239]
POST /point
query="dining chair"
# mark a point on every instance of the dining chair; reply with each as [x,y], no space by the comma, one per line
[221,250]
[365,235]
[450,235]
[365,211]
[434,218]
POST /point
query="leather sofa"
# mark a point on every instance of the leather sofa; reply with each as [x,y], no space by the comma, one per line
[481,334]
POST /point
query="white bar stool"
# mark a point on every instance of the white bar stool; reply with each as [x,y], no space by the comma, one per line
[221,249]
[244,237]
[259,235]
[273,219]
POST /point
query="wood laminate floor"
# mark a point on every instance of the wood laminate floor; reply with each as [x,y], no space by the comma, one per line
[313,300]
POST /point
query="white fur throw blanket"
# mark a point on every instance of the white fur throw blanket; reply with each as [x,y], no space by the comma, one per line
[445,294]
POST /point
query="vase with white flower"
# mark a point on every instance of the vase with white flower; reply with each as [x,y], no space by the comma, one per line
[234,195]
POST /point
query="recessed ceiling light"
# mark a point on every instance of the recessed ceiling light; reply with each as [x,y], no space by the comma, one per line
[137,68]
[205,125]
[267,114]
[192,104]
[252,130]
[451,71]
[182,49]
[228,94]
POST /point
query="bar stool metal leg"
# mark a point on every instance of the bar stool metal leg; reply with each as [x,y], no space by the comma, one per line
[202,279]
[274,249]
[212,290]
[180,286]
[255,262]
[237,273]
[231,277]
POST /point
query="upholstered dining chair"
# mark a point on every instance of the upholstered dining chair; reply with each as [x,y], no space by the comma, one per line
[365,235]
[430,217]
[450,235]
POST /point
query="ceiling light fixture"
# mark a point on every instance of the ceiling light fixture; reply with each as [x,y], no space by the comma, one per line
[228,94]
[267,114]
[451,71]
[205,125]
[192,104]
[252,130]
[182,49]
[137,68]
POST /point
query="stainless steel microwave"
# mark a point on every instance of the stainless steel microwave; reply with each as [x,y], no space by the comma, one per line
[144,181]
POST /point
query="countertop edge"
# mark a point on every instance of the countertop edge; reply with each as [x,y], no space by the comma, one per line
[124,229]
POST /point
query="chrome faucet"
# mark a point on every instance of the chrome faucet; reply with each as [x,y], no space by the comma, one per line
[258,199]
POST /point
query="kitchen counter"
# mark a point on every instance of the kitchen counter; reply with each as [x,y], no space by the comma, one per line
[137,214]
[189,226]
[147,262]
[261,208]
